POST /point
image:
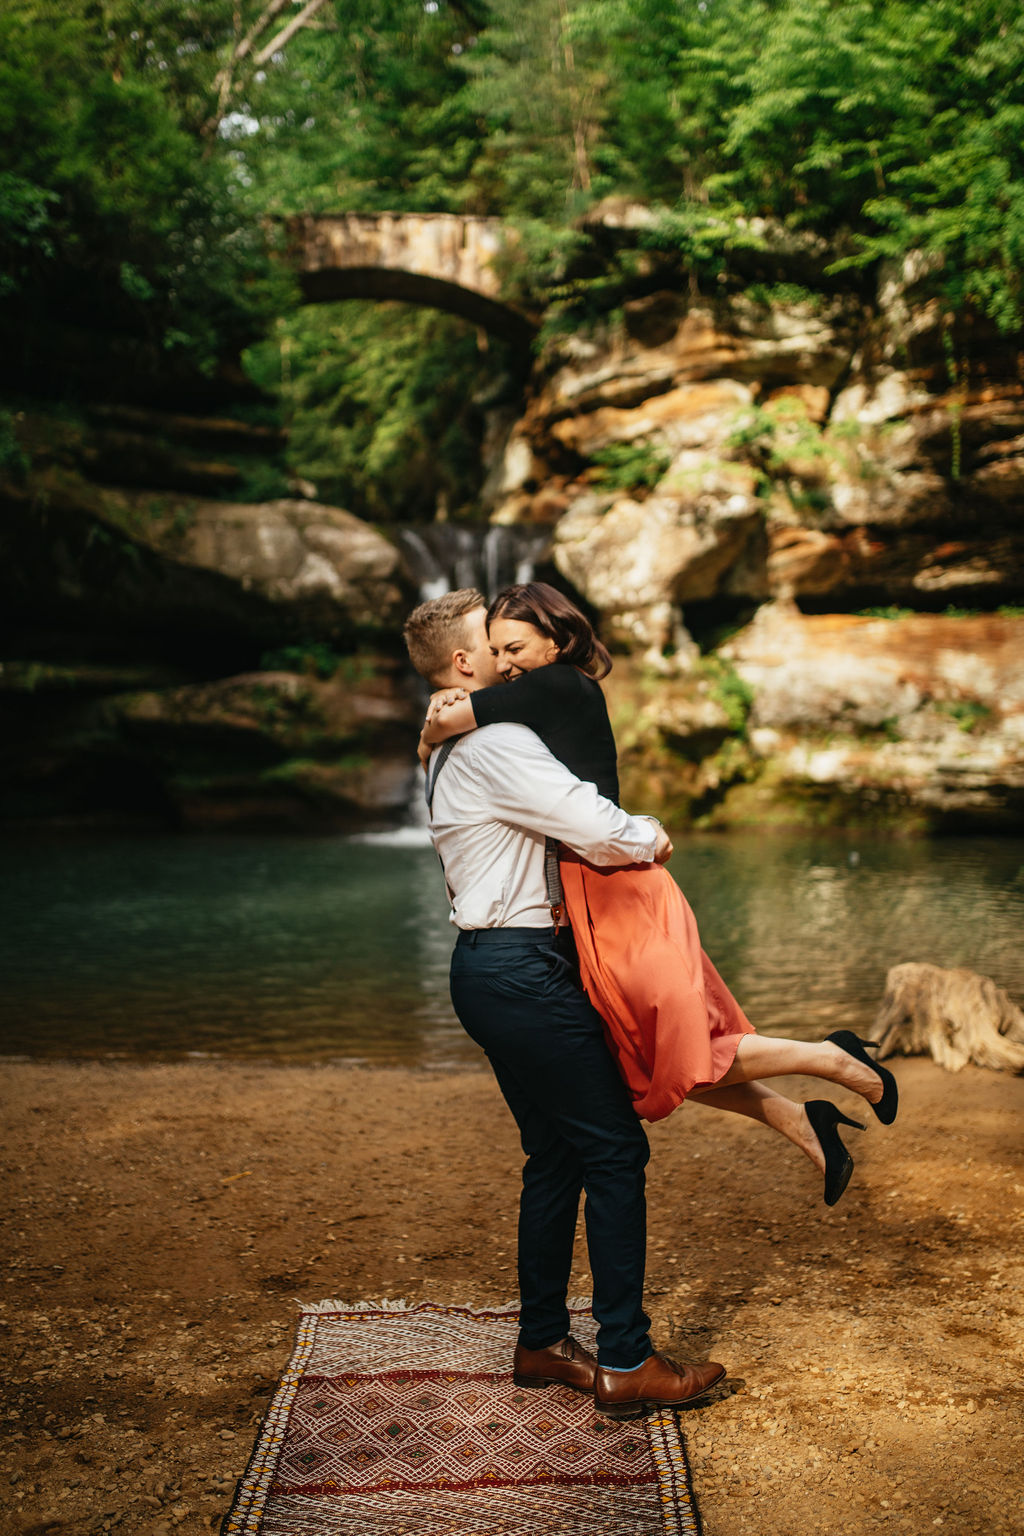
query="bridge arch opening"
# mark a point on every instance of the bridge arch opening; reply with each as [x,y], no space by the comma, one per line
[328,286]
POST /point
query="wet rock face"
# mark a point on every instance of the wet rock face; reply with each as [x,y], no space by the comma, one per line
[272,749]
[926,710]
[130,618]
[640,562]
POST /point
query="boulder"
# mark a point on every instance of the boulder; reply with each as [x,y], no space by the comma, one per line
[692,416]
[321,561]
[923,713]
[638,562]
[807,673]
[804,561]
[222,577]
[923,458]
[840,670]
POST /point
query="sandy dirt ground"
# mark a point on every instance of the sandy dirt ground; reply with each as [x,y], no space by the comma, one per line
[162,1220]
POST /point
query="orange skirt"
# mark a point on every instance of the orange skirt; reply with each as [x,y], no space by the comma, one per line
[671,1022]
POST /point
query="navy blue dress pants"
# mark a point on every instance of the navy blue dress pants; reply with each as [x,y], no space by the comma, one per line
[517,994]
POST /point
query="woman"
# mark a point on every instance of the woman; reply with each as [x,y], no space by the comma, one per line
[673,1026]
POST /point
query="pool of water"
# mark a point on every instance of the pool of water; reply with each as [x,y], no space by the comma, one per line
[337,949]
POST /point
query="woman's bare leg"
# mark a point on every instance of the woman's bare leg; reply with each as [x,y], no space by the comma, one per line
[759,1056]
[761,1103]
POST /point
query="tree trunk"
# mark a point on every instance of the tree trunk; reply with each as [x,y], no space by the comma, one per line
[955,1016]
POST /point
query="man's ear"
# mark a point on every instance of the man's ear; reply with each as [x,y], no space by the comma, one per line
[462,663]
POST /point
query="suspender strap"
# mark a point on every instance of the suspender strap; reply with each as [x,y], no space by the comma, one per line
[441,757]
[552,877]
[553,882]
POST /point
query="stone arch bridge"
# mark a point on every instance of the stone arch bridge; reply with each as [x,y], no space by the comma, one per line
[443,260]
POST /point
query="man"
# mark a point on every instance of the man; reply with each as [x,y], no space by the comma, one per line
[495,798]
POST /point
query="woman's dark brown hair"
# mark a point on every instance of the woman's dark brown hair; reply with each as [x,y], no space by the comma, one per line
[534,602]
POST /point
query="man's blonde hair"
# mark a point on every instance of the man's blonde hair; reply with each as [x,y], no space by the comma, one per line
[436,630]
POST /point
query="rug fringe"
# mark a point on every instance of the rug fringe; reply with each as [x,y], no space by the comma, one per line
[334,1304]
[399,1304]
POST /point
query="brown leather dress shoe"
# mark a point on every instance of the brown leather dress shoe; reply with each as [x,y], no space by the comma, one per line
[658,1383]
[567,1363]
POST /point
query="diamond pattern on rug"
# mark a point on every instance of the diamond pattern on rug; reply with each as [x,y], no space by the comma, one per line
[359,1434]
[368,1434]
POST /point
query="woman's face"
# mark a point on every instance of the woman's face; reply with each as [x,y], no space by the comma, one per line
[519,647]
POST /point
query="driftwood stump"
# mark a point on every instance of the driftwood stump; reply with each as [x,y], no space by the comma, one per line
[956,1016]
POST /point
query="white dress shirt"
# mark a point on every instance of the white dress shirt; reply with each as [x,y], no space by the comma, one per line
[498,796]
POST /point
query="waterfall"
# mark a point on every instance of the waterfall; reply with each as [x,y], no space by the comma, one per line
[413,831]
[442,556]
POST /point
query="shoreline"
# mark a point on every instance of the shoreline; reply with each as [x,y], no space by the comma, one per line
[165,1218]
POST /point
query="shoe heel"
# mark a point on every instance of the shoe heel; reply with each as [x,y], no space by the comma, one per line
[622,1410]
[533,1381]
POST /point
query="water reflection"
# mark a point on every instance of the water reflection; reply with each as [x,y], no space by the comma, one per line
[339,948]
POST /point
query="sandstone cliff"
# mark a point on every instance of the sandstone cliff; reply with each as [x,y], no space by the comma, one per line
[708,467]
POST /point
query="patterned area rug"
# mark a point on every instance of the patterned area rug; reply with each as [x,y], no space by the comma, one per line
[395,1420]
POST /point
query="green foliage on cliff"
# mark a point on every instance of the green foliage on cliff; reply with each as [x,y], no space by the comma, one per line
[729,690]
[630,466]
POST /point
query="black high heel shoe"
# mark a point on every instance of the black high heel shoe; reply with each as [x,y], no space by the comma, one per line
[824,1117]
[854,1046]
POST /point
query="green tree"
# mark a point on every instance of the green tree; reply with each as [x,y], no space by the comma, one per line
[538,79]
[896,126]
[117,223]
[370,115]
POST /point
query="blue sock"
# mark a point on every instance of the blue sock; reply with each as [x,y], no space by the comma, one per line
[623,1370]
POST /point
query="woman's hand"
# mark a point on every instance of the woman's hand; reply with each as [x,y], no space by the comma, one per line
[663,847]
[449,713]
[443,697]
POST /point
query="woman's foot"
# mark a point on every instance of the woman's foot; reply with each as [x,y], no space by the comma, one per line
[858,1071]
[824,1119]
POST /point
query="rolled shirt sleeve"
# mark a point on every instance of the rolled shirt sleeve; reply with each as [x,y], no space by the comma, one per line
[529,788]
[498,797]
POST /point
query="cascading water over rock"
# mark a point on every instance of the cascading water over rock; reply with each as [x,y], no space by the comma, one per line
[443,556]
